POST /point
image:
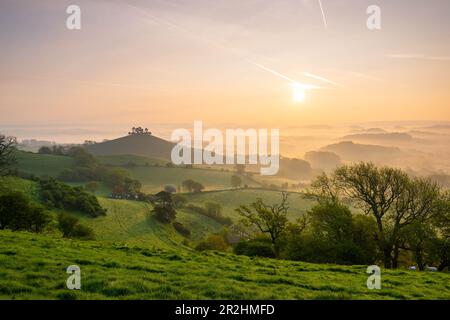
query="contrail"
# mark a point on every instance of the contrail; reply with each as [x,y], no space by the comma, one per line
[310,75]
[292,81]
[323,15]
[214,44]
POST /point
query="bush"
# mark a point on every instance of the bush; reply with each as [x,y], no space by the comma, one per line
[184,231]
[62,196]
[259,247]
[17,212]
[70,227]
[212,242]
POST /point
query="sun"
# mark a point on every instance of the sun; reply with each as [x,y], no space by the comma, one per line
[298,94]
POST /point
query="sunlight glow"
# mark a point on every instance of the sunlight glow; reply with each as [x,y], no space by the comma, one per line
[298,94]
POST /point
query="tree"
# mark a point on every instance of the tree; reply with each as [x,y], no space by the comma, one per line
[236,181]
[163,207]
[331,221]
[17,212]
[192,186]
[8,145]
[71,227]
[213,209]
[45,150]
[269,219]
[170,188]
[387,194]
[418,202]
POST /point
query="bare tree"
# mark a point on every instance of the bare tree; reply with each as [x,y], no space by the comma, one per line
[8,145]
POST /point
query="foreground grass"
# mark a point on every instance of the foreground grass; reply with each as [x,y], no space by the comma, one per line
[33,267]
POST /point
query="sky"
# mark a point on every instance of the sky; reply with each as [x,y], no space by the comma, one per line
[250,63]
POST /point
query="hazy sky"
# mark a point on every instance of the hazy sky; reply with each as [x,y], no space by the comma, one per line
[223,61]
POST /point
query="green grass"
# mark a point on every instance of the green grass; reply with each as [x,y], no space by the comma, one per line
[232,199]
[126,221]
[34,267]
[121,160]
[154,179]
[42,164]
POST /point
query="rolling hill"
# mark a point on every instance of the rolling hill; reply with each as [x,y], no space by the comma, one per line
[136,144]
[350,151]
[34,267]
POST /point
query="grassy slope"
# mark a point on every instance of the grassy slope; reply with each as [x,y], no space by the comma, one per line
[126,222]
[33,266]
[231,199]
[154,178]
[121,160]
[42,164]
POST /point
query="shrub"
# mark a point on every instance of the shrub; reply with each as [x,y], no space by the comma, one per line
[62,196]
[184,231]
[17,212]
[70,227]
[212,242]
[259,247]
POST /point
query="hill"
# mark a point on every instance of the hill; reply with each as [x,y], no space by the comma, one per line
[34,267]
[42,164]
[350,151]
[136,144]
[391,137]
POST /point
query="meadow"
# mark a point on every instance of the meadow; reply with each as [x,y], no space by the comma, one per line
[134,256]
[34,267]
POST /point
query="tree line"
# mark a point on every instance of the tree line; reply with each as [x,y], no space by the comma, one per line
[395,218]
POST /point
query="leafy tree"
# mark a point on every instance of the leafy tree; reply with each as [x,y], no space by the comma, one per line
[389,195]
[82,157]
[258,247]
[236,181]
[8,146]
[59,195]
[163,207]
[192,186]
[331,222]
[169,188]
[17,212]
[269,219]
[71,227]
[45,150]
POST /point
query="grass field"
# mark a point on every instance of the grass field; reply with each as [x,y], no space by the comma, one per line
[136,257]
[34,267]
[232,199]
[126,221]
[42,164]
[153,179]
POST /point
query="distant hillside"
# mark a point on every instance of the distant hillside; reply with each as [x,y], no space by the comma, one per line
[136,144]
[381,137]
[350,151]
